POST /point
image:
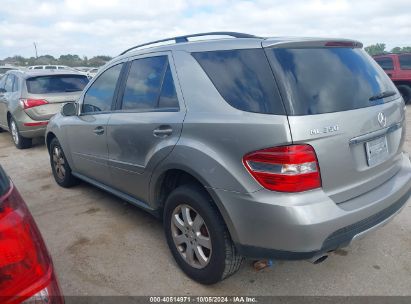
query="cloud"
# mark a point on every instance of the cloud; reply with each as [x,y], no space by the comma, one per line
[91,27]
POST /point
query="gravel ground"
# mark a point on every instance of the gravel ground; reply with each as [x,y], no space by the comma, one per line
[104,246]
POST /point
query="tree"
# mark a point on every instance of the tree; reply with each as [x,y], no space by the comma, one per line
[98,61]
[68,59]
[396,50]
[375,49]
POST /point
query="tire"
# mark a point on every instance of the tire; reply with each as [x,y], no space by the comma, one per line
[222,258]
[405,91]
[60,167]
[19,141]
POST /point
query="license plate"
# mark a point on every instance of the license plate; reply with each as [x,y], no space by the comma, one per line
[377,151]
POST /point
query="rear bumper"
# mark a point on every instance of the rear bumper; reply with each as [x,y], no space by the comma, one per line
[304,225]
[28,127]
[32,132]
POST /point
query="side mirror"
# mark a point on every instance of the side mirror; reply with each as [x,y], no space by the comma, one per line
[69,109]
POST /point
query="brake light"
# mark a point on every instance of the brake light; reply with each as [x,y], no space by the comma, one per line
[26,270]
[31,103]
[291,168]
[340,44]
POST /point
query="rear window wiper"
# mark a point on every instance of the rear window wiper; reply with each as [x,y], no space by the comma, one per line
[382,95]
[71,90]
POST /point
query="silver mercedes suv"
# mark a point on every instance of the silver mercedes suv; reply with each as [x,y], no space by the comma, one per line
[281,148]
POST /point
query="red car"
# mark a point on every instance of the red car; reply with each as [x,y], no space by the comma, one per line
[26,269]
[398,68]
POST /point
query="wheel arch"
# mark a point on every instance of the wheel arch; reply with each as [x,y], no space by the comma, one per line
[8,118]
[49,138]
[172,177]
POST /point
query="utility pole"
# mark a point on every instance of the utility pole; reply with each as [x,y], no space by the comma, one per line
[35,48]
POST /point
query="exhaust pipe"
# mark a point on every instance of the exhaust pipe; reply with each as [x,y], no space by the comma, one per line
[318,259]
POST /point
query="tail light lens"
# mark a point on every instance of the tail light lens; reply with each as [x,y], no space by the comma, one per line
[26,270]
[291,168]
[31,103]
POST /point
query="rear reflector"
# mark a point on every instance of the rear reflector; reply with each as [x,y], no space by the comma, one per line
[26,269]
[291,168]
[36,124]
[31,103]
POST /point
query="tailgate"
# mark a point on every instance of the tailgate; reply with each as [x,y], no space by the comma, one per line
[343,141]
[53,106]
[340,101]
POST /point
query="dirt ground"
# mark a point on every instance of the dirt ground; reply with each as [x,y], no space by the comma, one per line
[103,246]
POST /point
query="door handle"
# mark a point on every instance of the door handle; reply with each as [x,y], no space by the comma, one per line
[163,131]
[99,130]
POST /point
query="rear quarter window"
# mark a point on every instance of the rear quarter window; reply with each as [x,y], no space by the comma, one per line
[243,78]
[56,84]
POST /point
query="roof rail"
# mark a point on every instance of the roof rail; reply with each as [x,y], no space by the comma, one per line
[180,39]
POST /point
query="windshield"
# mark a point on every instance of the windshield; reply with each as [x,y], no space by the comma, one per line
[324,80]
[56,84]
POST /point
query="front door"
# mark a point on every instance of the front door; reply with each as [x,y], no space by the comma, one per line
[87,133]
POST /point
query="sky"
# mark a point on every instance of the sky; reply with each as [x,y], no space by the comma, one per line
[107,27]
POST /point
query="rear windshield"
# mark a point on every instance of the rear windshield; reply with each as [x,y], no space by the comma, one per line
[4,70]
[324,80]
[4,182]
[56,84]
[243,78]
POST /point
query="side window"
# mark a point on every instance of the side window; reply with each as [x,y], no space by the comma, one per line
[9,83]
[243,78]
[99,97]
[143,86]
[168,97]
[405,62]
[386,63]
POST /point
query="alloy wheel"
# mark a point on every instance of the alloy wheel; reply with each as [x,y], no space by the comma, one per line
[14,132]
[191,236]
[58,162]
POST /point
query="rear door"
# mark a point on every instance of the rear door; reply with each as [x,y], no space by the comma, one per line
[9,98]
[87,133]
[344,105]
[146,124]
[3,102]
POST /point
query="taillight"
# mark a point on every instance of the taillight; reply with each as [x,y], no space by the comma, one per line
[26,270]
[31,103]
[291,168]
